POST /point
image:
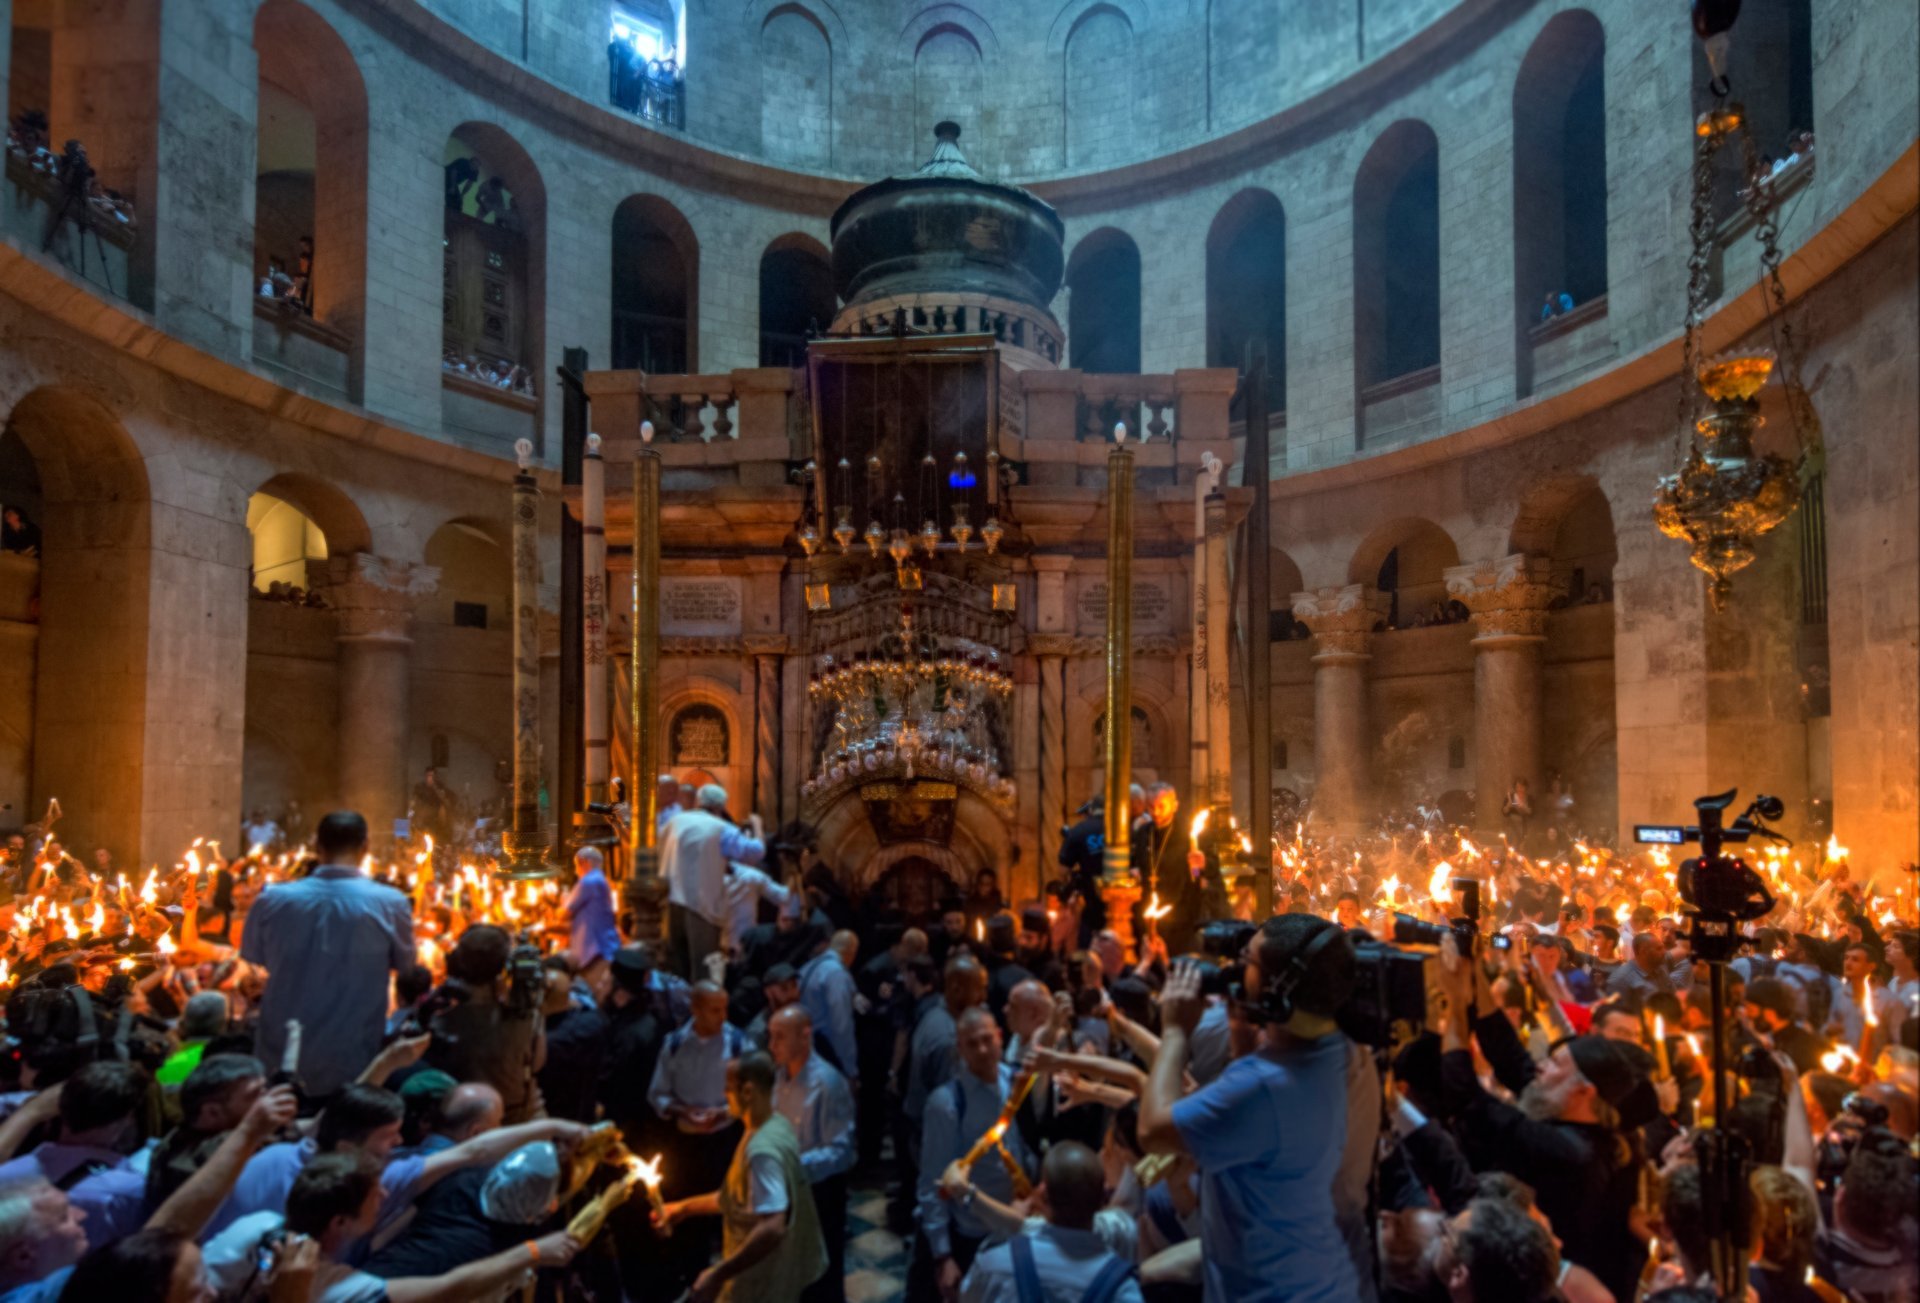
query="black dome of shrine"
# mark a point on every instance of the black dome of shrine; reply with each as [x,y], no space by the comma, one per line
[945,229]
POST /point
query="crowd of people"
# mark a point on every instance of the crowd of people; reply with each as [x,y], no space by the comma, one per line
[28,141]
[294,288]
[302,1075]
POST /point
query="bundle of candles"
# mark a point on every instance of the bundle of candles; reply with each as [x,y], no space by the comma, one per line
[994,1139]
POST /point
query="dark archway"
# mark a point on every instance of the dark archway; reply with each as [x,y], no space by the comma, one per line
[796,298]
[1396,256]
[1103,304]
[656,288]
[1247,288]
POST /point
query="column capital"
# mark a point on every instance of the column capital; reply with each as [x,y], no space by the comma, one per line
[1509,597]
[766,644]
[374,597]
[1051,644]
[1341,618]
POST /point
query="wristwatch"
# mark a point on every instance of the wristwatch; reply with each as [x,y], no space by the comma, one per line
[966,1199]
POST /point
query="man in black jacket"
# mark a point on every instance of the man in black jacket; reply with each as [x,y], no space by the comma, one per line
[1564,1138]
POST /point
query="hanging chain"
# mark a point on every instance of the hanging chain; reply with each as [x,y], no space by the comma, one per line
[1763,203]
[1699,280]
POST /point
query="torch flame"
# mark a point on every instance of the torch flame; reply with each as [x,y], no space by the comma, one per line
[1469,850]
[167,946]
[1155,909]
[1440,885]
[1835,851]
[979,929]
[1866,1008]
[647,1171]
[1836,1060]
[149,893]
[1198,825]
[97,921]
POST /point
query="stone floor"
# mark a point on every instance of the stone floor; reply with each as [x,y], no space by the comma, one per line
[876,1257]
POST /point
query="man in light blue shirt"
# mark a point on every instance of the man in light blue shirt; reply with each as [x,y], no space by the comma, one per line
[958,1114]
[689,1093]
[1063,1257]
[328,942]
[1269,1132]
[827,993]
[812,1096]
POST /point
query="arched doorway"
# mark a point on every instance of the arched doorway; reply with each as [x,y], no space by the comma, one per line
[913,890]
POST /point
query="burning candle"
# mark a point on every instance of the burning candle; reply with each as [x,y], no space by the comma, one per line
[1660,1049]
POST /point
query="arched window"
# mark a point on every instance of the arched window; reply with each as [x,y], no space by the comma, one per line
[1247,288]
[1770,73]
[796,89]
[1102,86]
[1560,199]
[1407,560]
[1396,284]
[796,299]
[1103,304]
[476,576]
[493,282]
[948,86]
[310,204]
[286,542]
[1584,549]
[656,268]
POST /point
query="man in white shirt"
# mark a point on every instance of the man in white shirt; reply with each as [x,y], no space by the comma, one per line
[746,888]
[666,806]
[694,855]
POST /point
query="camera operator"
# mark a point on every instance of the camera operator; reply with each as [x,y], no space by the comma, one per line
[496,1034]
[1269,1133]
[1566,1137]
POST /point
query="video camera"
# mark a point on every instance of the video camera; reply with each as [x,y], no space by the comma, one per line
[526,982]
[1723,890]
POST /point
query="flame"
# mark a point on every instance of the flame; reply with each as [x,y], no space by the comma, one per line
[1836,1060]
[1866,1002]
[1155,909]
[1389,889]
[1661,857]
[193,861]
[149,892]
[6,971]
[1693,1046]
[1835,851]
[1198,825]
[979,929]
[97,921]
[1469,850]
[167,946]
[1659,1030]
[1440,885]
[646,1171]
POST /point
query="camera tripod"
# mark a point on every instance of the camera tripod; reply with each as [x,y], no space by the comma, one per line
[73,186]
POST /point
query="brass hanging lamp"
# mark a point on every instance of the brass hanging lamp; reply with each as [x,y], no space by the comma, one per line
[1725,496]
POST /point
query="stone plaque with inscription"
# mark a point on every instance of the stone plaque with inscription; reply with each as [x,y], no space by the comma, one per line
[1152,605]
[700,606]
[700,737]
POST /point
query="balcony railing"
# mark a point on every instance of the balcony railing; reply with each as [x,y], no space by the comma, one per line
[85,236]
[655,92]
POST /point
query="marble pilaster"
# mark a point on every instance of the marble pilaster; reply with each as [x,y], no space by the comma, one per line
[1342,621]
[373,599]
[1509,599]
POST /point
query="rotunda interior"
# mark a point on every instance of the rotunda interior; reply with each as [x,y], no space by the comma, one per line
[1489,414]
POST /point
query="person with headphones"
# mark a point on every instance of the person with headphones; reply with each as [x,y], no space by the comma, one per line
[1268,1133]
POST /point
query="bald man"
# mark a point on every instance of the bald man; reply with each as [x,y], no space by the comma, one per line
[1063,1255]
[816,1101]
[689,1090]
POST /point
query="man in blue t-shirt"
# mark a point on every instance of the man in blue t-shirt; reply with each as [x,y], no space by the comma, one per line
[1268,1132]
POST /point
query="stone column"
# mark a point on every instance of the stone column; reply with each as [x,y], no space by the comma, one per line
[1218,687]
[1050,652]
[1509,600]
[1342,621]
[1206,483]
[766,653]
[373,600]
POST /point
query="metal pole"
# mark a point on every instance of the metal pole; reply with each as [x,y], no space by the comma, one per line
[1118,887]
[1259,634]
[571,762]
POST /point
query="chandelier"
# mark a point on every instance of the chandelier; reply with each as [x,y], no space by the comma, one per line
[915,706]
[1725,496]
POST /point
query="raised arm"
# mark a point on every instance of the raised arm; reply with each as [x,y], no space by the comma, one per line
[489,1277]
[188,1209]
[1181,1005]
[497,1144]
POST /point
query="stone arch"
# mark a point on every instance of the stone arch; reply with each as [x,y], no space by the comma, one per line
[1103,303]
[1560,170]
[656,287]
[949,85]
[1396,256]
[512,332]
[962,18]
[700,690]
[304,65]
[1544,507]
[796,295]
[90,675]
[821,12]
[1247,287]
[796,87]
[1139,18]
[1098,87]
[329,507]
[475,560]
[1406,558]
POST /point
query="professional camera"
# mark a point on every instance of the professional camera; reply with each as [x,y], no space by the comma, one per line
[1226,939]
[1389,1002]
[526,982]
[1722,889]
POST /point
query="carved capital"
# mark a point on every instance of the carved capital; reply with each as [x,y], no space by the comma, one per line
[766,644]
[1051,644]
[1509,598]
[1341,619]
[374,597]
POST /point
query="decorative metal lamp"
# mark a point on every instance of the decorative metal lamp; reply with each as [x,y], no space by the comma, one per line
[1725,496]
